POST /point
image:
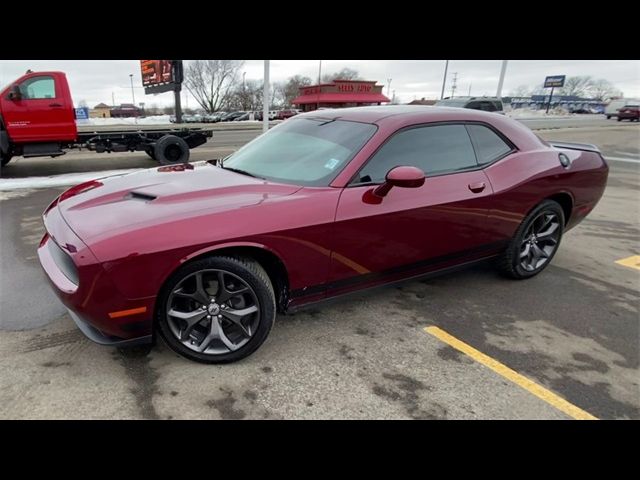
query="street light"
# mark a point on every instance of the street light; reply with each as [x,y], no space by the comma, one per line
[132,94]
[244,93]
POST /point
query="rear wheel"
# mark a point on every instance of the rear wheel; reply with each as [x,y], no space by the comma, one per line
[619,119]
[217,310]
[171,149]
[535,242]
[5,158]
[151,153]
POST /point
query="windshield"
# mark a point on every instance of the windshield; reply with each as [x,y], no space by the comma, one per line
[452,102]
[304,151]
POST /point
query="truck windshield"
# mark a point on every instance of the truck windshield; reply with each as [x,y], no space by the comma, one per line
[305,151]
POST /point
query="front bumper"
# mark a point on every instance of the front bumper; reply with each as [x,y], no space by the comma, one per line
[101,311]
[100,338]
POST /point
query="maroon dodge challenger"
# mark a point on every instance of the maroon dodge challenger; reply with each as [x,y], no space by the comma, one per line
[323,204]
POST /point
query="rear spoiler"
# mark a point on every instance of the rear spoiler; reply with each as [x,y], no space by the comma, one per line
[585,147]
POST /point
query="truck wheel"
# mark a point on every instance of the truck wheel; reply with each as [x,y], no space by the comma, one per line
[151,153]
[4,159]
[171,149]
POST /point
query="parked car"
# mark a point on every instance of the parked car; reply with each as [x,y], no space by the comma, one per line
[486,104]
[629,112]
[284,114]
[213,117]
[611,110]
[229,117]
[324,204]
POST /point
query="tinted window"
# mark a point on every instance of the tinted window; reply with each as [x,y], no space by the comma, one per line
[487,106]
[435,150]
[303,151]
[38,87]
[489,146]
[474,105]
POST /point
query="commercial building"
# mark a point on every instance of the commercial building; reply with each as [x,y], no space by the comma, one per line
[100,111]
[340,94]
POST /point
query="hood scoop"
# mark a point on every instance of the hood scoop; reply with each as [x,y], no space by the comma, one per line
[145,197]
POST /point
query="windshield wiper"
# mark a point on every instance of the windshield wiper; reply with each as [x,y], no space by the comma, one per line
[243,172]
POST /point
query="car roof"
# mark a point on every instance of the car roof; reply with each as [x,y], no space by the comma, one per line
[393,117]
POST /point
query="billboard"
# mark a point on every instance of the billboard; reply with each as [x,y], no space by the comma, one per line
[554,81]
[156,72]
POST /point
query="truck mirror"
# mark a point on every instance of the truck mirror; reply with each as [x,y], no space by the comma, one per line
[15,94]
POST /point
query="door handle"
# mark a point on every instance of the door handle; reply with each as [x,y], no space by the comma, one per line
[55,105]
[477,187]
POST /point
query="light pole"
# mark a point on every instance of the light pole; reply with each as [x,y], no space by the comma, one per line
[503,70]
[132,94]
[265,98]
[244,95]
[444,78]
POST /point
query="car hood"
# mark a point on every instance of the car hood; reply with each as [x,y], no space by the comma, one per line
[113,205]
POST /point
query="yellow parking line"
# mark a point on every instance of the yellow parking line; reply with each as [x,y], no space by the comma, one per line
[520,380]
[633,262]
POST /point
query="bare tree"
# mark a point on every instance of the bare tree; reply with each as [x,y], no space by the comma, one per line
[576,86]
[521,91]
[344,74]
[211,82]
[601,89]
[291,89]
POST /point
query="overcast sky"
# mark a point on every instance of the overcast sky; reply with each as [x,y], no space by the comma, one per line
[96,81]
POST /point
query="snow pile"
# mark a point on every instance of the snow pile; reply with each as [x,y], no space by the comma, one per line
[154,120]
[529,112]
[65,180]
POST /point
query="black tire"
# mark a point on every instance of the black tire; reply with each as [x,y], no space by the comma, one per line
[170,150]
[248,271]
[509,263]
[619,119]
[4,159]
[608,117]
[151,153]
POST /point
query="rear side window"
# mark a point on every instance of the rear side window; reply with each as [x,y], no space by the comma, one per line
[488,144]
[435,150]
[38,88]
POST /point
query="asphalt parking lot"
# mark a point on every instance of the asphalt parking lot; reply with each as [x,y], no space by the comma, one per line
[573,332]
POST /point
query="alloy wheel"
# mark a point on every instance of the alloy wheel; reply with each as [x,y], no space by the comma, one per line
[540,241]
[213,312]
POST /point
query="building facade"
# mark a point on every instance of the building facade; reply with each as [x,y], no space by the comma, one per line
[340,94]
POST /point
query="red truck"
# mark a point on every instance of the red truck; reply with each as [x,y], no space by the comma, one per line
[37,119]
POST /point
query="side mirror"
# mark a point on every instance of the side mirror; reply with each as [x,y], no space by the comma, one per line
[403,177]
[15,93]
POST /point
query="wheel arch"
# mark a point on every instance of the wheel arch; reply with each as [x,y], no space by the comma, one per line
[566,201]
[267,258]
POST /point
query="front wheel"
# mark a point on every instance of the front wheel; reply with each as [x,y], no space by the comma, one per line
[535,242]
[217,310]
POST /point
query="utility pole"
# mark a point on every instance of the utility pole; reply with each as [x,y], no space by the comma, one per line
[113,99]
[444,78]
[265,98]
[388,86]
[503,70]
[454,86]
[244,94]
[319,76]
[470,89]
[133,97]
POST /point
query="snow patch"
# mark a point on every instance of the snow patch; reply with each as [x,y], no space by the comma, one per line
[65,180]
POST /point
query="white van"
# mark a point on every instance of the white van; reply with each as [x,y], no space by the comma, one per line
[611,110]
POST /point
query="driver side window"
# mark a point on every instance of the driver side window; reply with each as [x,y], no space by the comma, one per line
[38,88]
[435,150]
